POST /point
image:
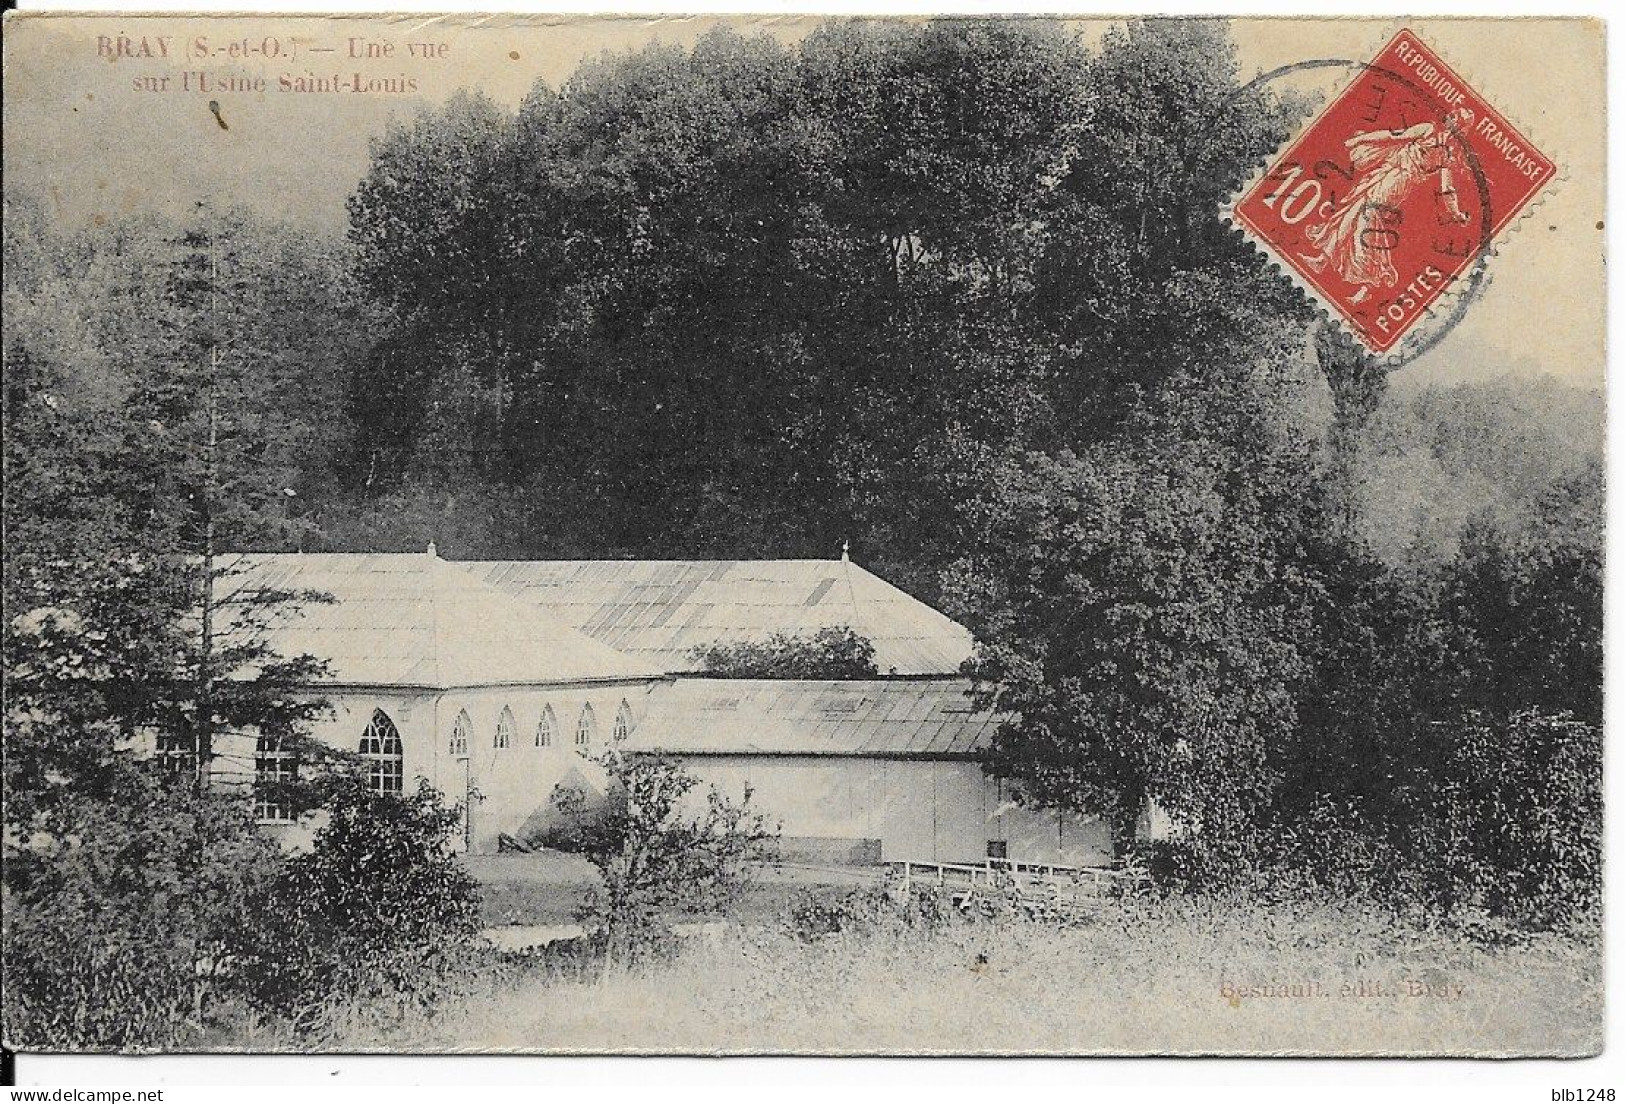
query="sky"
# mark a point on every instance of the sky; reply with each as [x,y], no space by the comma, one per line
[100,135]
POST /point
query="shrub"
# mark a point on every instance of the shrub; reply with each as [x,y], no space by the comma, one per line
[812,915]
[653,855]
[1496,817]
[1506,815]
[116,927]
[830,653]
[377,909]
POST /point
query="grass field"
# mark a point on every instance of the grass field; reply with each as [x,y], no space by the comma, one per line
[545,888]
[1142,977]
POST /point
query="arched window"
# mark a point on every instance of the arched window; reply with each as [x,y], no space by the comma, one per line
[460,728]
[623,722]
[546,727]
[381,748]
[275,767]
[586,727]
[505,728]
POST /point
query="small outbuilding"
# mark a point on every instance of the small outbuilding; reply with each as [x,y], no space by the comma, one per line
[875,770]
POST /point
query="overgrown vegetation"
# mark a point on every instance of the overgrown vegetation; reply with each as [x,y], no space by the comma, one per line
[831,653]
[377,907]
[119,918]
[866,975]
[654,852]
[1499,818]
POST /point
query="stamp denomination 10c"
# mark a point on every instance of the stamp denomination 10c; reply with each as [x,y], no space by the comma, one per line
[1391,193]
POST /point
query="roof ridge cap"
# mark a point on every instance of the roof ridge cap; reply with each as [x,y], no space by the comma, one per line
[892,587]
[851,592]
[434,619]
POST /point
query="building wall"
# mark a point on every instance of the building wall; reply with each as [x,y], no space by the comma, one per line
[925,810]
[350,711]
[511,787]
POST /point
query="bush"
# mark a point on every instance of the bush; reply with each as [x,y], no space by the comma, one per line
[1506,816]
[830,653]
[1493,818]
[812,915]
[651,854]
[378,909]
[116,927]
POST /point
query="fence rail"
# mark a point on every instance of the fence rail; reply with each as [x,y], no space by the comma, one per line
[1035,887]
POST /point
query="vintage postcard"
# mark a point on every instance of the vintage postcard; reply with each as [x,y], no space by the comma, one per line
[736,535]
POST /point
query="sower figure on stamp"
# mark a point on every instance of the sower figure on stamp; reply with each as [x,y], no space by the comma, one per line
[1360,232]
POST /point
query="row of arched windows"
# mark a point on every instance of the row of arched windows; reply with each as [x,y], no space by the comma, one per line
[547,728]
[276,766]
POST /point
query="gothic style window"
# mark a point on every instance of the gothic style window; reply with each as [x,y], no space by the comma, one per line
[460,729]
[275,766]
[505,727]
[586,727]
[381,748]
[623,722]
[545,728]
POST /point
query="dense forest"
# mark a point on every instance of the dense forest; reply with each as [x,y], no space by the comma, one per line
[956,293]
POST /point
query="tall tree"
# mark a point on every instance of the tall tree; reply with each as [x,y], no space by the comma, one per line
[124,481]
[125,873]
[1145,613]
[895,255]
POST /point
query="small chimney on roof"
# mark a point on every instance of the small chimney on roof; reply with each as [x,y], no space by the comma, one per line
[846,546]
[432,553]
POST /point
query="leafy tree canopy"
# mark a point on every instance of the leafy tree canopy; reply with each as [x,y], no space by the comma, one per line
[897,255]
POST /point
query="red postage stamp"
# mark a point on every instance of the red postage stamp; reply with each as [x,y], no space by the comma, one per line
[1392,192]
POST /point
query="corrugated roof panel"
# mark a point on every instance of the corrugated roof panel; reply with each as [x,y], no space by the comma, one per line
[819,591]
[685,603]
[658,611]
[793,717]
[414,619]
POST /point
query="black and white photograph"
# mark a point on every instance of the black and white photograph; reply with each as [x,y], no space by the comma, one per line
[803,535]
